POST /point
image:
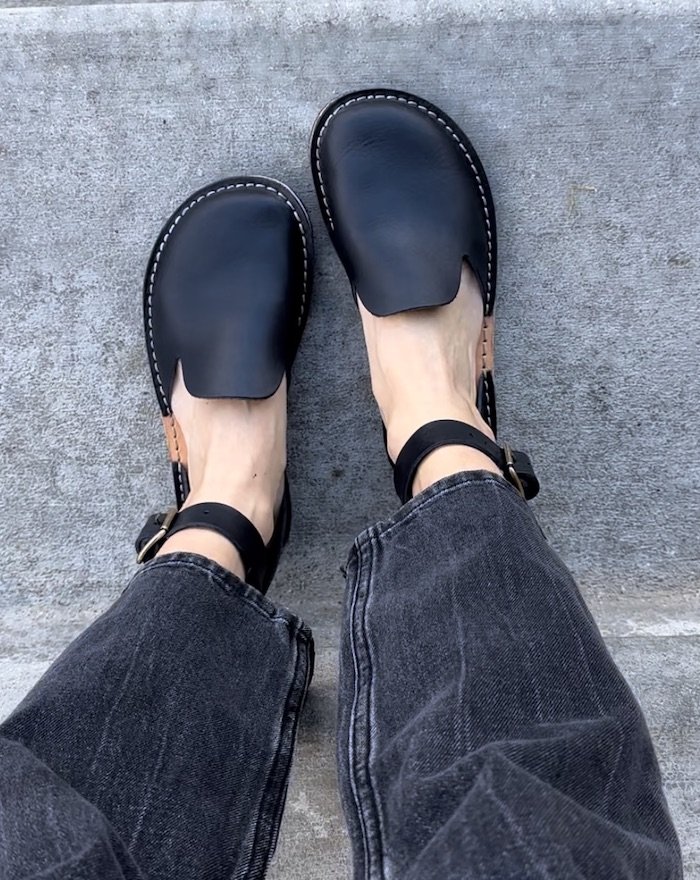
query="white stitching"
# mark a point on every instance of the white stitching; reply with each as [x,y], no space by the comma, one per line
[151,282]
[455,136]
[484,375]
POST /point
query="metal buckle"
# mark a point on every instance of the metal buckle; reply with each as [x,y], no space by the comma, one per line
[510,468]
[159,535]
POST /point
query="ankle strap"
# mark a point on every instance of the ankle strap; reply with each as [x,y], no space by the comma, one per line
[221,518]
[516,466]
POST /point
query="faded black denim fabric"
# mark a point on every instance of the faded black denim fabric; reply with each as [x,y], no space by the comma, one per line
[158,745]
[484,730]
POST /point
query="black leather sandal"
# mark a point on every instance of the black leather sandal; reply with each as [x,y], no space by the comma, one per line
[406,200]
[227,294]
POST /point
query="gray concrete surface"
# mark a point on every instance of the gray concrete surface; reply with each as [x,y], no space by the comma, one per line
[586,117]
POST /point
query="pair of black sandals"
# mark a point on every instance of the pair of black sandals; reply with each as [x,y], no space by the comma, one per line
[228,286]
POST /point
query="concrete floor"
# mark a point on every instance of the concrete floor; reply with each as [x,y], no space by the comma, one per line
[586,117]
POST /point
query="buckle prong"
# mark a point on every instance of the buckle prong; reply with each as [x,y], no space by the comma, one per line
[511,472]
[159,535]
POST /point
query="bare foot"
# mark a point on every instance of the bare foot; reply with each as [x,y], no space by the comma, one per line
[423,367]
[236,453]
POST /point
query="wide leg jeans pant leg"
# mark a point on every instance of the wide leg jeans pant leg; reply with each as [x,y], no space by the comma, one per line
[485,731]
[159,744]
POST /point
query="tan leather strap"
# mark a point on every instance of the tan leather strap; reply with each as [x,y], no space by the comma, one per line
[485,351]
[177,448]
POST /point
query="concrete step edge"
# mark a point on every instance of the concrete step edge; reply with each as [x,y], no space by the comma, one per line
[362,12]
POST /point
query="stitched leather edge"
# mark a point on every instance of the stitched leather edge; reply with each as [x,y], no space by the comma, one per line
[433,115]
[160,391]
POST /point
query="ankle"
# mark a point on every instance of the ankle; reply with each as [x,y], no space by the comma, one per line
[253,498]
[449,460]
[256,498]
[404,421]
[211,545]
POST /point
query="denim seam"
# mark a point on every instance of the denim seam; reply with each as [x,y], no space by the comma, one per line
[235,588]
[355,702]
[371,713]
[305,684]
[410,512]
[368,811]
[269,814]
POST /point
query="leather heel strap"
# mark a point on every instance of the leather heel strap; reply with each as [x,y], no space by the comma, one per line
[221,518]
[516,466]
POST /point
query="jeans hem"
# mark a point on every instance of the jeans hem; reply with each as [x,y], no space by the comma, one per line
[231,584]
[439,489]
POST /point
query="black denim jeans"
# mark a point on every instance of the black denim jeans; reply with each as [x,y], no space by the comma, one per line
[484,730]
